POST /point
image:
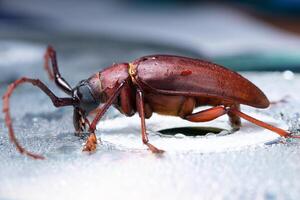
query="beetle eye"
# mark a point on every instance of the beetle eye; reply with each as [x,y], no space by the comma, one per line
[78,91]
[76,94]
[82,92]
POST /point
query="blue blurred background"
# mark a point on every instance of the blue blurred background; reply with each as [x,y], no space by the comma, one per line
[240,34]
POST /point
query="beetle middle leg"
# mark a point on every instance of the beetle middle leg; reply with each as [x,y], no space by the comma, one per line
[207,115]
[140,108]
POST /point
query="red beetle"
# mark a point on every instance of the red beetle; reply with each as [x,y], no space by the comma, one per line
[164,84]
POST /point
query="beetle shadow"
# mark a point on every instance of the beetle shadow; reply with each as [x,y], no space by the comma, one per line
[72,145]
[67,143]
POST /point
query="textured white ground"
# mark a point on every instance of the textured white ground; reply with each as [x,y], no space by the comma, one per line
[245,165]
[234,166]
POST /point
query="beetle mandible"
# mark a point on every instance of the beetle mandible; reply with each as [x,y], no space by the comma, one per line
[164,84]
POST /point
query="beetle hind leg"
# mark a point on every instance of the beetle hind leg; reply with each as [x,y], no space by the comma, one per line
[279,131]
[215,112]
[235,120]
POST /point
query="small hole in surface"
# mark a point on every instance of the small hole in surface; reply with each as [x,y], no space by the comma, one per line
[191,131]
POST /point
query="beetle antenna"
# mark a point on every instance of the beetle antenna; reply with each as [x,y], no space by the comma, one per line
[58,102]
[50,54]
[46,65]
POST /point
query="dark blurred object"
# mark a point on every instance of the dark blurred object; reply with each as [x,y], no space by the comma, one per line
[286,23]
[284,14]
[275,7]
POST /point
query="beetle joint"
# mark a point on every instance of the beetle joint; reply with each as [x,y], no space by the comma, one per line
[132,72]
[227,108]
[145,141]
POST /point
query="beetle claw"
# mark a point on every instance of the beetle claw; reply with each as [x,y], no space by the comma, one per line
[153,149]
[91,143]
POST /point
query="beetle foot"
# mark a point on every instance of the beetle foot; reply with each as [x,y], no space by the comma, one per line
[91,143]
[153,149]
[293,136]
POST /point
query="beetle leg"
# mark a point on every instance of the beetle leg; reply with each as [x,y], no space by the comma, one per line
[104,108]
[215,112]
[92,141]
[57,102]
[140,108]
[207,115]
[55,74]
[235,120]
[279,131]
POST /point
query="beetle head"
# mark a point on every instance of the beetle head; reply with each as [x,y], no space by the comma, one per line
[87,95]
[84,95]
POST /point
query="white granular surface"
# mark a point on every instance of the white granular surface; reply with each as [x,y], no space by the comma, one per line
[249,164]
[235,166]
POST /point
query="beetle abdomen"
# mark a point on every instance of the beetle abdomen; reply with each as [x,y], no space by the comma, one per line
[176,75]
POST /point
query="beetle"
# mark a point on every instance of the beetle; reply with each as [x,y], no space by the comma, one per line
[164,84]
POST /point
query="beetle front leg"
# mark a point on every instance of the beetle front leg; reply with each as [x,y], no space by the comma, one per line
[140,108]
[91,142]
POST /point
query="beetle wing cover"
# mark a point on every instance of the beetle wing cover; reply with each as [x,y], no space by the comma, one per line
[176,75]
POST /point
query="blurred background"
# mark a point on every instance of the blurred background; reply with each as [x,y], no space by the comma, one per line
[240,34]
